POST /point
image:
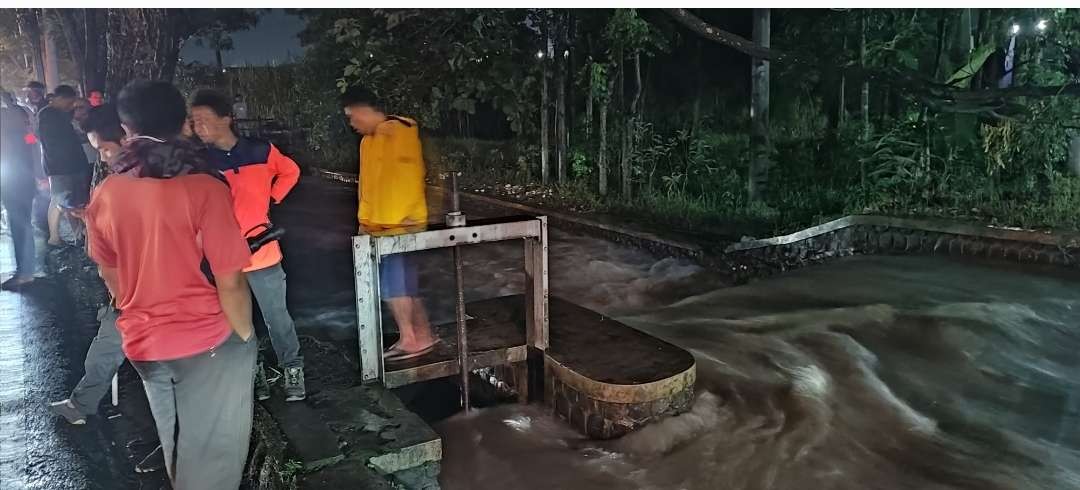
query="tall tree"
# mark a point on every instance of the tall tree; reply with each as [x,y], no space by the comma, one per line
[562,133]
[30,23]
[545,125]
[864,97]
[110,47]
[20,48]
[760,147]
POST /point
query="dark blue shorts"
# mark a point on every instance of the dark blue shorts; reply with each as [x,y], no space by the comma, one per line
[397,277]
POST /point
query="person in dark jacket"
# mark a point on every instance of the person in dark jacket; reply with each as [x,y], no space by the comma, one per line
[17,188]
[65,160]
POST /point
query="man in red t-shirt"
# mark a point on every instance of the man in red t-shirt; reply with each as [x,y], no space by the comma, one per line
[160,229]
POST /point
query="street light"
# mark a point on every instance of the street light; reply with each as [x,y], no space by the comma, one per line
[539,55]
[1041,26]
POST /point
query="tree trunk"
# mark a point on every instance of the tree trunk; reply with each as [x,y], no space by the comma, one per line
[759,111]
[560,116]
[865,95]
[981,33]
[52,57]
[963,40]
[92,55]
[602,165]
[631,130]
[699,87]
[841,109]
[571,54]
[171,45]
[76,41]
[30,24]
[602,159]
[544,143]
[940,55]
[621,74]
[589,97]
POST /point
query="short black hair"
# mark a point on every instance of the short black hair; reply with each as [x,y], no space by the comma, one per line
[152,108]
[104,121]
[32,85]
[361,96]
[216,100]
[65,91]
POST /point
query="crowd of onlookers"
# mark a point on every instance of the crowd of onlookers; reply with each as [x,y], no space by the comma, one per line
[173,205]
[49,164]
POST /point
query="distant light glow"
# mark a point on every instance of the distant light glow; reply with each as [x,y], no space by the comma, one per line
[539,55]
[1016,29]
[1041,25]
[566,54]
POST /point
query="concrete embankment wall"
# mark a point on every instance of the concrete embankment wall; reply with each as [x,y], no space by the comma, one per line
[869,235]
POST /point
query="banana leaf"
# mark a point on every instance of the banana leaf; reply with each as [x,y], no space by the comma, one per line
[962,77]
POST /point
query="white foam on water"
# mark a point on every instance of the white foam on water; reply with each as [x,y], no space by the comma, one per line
[868,373]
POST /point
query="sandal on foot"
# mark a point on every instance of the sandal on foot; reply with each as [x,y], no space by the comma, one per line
[395,353]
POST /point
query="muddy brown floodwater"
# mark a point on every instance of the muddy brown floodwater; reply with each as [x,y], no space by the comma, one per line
[865,373]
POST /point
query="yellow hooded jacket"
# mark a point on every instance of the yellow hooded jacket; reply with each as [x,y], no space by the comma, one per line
[392,176]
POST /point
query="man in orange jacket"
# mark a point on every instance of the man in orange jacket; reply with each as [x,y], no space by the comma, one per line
[258,175]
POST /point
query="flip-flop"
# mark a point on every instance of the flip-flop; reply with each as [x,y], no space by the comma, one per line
[395,354]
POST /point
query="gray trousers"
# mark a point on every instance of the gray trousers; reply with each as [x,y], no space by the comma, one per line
[202,406]
[103,359]
[269,287]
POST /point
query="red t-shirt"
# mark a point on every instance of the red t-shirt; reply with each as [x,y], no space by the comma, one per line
[155,233]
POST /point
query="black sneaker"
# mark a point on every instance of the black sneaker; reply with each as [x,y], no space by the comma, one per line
[262,386]
[294,384]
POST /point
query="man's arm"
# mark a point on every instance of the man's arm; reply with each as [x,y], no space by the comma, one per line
[46,132]
[227,253]
[286,174]
[235,297]
[111,278]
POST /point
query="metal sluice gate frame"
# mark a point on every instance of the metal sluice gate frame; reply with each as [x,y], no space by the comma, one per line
[368,251]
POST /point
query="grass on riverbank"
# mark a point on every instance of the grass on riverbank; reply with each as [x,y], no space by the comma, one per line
[712,204]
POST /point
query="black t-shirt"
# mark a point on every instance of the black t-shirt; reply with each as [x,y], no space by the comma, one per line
[62,146]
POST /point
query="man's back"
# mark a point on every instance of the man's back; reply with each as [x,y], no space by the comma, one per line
[63,151]
[392,176]
[155,233]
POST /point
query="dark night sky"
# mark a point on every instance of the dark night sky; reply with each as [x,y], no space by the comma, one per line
[272,40]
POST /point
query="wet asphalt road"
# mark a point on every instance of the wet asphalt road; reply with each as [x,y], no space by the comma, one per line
[42,343]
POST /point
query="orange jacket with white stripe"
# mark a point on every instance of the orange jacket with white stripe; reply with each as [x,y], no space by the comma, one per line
[258,175]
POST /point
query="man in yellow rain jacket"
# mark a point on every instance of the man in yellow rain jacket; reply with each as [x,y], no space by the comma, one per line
[392,197]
